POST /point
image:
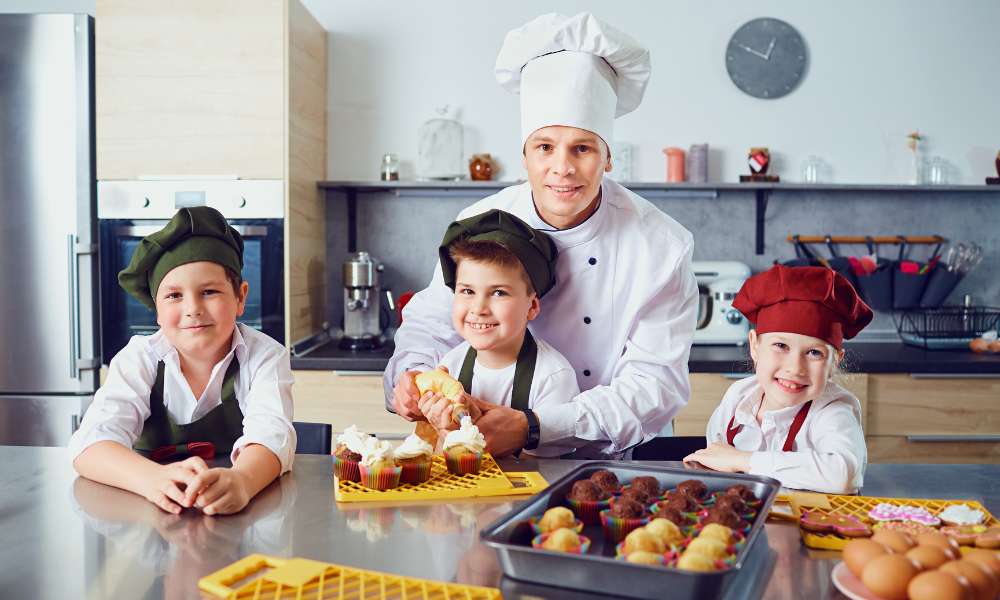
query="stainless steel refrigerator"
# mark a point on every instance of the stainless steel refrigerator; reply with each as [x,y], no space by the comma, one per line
[49,333]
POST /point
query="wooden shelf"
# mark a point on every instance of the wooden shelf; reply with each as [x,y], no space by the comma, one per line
[761,193]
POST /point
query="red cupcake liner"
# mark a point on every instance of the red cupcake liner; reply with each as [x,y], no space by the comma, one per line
[418,472]
[466,464]
[616,528]
[538,540]
[381,480]
[533,522]
[588,511]
[346,469]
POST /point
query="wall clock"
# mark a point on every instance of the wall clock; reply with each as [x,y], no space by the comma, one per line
[766,58]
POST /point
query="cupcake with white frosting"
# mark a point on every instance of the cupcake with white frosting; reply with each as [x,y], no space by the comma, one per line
[378,467]
[347,454]
[463,449]
[414,456]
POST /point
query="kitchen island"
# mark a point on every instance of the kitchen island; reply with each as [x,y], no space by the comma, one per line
[66,537]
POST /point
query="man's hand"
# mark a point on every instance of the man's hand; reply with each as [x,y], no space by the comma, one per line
[505,429]
[168,489]
[440,411]
[219,491]
[406,397]
[721,457]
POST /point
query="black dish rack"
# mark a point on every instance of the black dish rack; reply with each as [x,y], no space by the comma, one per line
[946,328]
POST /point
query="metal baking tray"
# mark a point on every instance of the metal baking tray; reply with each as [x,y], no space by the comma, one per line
[598,571]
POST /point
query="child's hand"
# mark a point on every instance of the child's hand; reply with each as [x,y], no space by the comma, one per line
[219,491]
[437,410]
[168,489]
[722,457]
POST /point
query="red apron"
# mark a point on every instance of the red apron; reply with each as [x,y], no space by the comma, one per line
[800,417]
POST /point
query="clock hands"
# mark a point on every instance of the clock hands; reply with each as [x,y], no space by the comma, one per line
[765,55]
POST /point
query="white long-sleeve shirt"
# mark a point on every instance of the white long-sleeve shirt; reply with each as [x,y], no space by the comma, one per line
[829,454]
[263,389]
[623,313]
[553,382]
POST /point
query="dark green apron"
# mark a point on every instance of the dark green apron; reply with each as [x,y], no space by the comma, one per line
[161,438]
[524,371]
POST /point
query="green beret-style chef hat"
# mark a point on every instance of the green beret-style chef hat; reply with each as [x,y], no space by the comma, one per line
[536,251]
[193,235]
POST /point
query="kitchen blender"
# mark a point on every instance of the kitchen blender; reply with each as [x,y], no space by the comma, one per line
[362,303]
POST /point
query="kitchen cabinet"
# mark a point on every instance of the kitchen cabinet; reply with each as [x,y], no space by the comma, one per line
[192,89]
[933,418]
[343,399]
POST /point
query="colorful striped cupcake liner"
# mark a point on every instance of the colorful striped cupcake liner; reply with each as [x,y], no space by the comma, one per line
[346,469]
[381,480]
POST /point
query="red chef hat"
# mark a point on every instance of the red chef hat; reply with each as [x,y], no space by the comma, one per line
[813,301]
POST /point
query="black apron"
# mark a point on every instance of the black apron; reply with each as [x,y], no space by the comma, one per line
[214,433]
[524,371]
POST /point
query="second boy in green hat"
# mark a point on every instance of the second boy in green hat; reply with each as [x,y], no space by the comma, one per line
[499,268]
[201,385]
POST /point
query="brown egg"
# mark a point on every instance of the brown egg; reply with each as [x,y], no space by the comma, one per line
[858,553]
[979,345]
[928,557]
[937,585]
[888,575]
[995,346]
[893,540]
[983,585]
[934,538]
[986,558]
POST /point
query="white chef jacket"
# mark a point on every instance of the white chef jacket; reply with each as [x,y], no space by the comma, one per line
[553,382]
[263,389]
[623,313]
[829,454]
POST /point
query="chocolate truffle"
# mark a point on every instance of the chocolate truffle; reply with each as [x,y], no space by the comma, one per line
[628,509]
[678,501]
[647,484]
[723,516]
[635,494]
[731,502]
[606,480]
[585,490]
[742,491]
[671,514]
[693,488]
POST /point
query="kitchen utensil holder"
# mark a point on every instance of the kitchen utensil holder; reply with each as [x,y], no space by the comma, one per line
[949,327]
[940,284]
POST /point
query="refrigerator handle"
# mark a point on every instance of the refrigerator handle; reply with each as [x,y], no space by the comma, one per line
[74,306]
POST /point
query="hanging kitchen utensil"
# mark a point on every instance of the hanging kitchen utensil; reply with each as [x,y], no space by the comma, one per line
[908,282]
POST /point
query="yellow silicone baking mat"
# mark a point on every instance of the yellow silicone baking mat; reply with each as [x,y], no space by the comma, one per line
[263,577]
[490,481]
[859,506]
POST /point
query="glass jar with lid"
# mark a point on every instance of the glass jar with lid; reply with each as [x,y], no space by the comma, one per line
[389,169]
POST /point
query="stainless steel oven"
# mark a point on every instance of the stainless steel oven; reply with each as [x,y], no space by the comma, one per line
[131,210]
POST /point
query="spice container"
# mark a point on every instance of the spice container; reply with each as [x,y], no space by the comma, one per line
[389,170]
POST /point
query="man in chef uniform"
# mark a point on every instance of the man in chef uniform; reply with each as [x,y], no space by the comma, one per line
[625,302]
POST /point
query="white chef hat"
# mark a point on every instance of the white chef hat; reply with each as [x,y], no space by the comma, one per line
[574,71]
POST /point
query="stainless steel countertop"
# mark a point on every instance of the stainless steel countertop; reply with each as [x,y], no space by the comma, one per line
[65,537]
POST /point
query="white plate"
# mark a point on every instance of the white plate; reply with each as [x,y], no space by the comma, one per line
[849,585]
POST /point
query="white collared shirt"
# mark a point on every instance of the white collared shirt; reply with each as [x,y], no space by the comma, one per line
[263,389]
[623,313]
[552,383]
[829,454]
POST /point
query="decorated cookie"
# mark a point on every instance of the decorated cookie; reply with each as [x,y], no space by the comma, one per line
[844,525]
[961,514]
[892,512]
[964,534]
[910,528]
[989,539]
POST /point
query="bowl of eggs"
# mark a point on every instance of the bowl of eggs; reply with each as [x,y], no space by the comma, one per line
[892,565]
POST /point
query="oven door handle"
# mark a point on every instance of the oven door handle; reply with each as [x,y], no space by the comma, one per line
[258,231]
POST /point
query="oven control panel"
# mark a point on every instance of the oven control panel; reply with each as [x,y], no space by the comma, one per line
[161,199]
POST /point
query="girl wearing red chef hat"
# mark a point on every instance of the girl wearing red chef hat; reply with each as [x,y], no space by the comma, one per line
[789,421]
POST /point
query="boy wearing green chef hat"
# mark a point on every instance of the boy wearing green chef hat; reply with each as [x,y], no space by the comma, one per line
[202,385]
[499,268]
